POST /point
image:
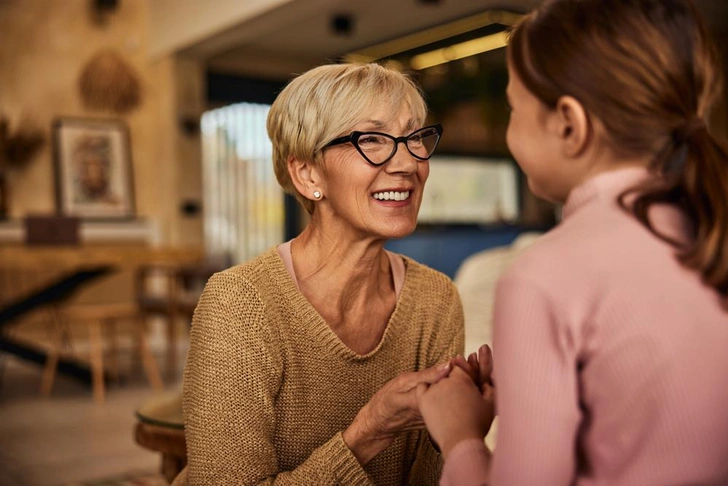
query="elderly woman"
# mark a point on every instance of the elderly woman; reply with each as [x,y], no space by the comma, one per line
[304,362]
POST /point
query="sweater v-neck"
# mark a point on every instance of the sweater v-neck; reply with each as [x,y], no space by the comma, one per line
[310,317]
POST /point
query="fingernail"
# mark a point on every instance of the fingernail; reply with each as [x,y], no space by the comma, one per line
[445,367]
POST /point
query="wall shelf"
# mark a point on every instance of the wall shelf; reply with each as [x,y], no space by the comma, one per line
[133,231]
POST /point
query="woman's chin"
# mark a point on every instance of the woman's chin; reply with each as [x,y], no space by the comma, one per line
[400,230]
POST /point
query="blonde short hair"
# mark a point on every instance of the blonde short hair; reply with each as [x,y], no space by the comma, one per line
[327,102]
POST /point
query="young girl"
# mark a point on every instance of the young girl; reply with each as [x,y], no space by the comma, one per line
[611,332]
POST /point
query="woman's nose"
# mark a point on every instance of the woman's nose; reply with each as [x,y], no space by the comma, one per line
[402,161]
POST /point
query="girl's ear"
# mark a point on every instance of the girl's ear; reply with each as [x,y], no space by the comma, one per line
[306,177]
[573,125]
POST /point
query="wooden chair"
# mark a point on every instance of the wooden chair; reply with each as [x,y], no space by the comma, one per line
[45,295]
[100,319]
[172,291]
[160,292]
[29,296]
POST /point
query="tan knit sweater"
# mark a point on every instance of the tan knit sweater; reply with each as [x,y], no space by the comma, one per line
[269,388]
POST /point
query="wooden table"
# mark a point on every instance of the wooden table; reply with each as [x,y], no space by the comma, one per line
[130,255]
[49,262]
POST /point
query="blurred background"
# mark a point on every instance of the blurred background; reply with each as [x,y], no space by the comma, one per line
[134,163]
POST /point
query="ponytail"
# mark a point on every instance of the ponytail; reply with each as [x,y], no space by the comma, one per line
[695,170]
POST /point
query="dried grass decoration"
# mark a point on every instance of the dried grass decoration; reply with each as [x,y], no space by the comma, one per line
[18,148]
[16,151]
[108,82]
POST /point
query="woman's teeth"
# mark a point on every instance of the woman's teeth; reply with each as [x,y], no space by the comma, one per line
[391,195]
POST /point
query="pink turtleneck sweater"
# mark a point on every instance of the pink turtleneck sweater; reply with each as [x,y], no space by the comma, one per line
[611,359]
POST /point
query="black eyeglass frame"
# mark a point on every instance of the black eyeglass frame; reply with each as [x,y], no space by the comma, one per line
[353,138]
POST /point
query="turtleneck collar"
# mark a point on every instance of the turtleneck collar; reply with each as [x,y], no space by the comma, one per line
[608,184]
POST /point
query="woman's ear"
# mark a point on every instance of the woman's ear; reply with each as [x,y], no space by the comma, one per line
[573,126]
[305,177]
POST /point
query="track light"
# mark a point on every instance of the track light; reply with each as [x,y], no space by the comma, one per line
[400,46]
[459,51]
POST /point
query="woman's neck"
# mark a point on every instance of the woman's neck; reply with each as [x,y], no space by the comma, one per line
[340,264]
[349,283]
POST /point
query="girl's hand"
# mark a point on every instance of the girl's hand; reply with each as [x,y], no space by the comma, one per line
[392,410]
[455,409]
[478,366]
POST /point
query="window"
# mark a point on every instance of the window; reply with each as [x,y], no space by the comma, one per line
[243,203]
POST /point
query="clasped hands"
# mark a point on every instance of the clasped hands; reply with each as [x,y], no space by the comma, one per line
[462,405]
[455,400]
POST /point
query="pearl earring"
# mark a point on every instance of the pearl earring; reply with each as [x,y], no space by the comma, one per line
[316,194]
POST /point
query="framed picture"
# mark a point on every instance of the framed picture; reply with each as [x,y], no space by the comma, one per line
[470,190]
[93,169]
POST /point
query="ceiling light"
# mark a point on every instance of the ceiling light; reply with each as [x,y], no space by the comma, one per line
[342,24]
[459,51]
[434,34]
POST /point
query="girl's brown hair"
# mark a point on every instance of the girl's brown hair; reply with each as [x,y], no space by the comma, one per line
[649,72]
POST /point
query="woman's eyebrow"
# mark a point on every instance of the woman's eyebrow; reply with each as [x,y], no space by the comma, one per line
[376,124]
[380,125]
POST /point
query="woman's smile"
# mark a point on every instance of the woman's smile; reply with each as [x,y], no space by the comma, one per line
[393,197]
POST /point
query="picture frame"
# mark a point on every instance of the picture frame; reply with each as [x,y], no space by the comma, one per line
[93,169]
[471,190]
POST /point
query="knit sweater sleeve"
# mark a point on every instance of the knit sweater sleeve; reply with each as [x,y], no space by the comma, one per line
[449,341]
[233,373]
[535,355]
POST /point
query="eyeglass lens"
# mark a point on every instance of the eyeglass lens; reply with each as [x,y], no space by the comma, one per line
[379,148]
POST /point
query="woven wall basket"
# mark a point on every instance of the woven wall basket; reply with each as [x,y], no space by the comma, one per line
[108,82]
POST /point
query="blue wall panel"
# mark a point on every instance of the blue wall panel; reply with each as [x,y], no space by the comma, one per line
[445,248]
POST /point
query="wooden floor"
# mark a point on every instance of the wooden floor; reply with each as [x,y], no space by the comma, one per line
[67,438]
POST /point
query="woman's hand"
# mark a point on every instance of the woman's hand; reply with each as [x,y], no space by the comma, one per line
[392,410]
[461,406]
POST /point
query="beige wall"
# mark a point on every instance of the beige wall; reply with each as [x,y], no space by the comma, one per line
[190,103]
[43,46]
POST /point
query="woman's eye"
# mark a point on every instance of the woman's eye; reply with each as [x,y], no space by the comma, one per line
[370,140]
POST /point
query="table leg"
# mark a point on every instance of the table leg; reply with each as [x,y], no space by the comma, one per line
[96,354]
[172,465]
